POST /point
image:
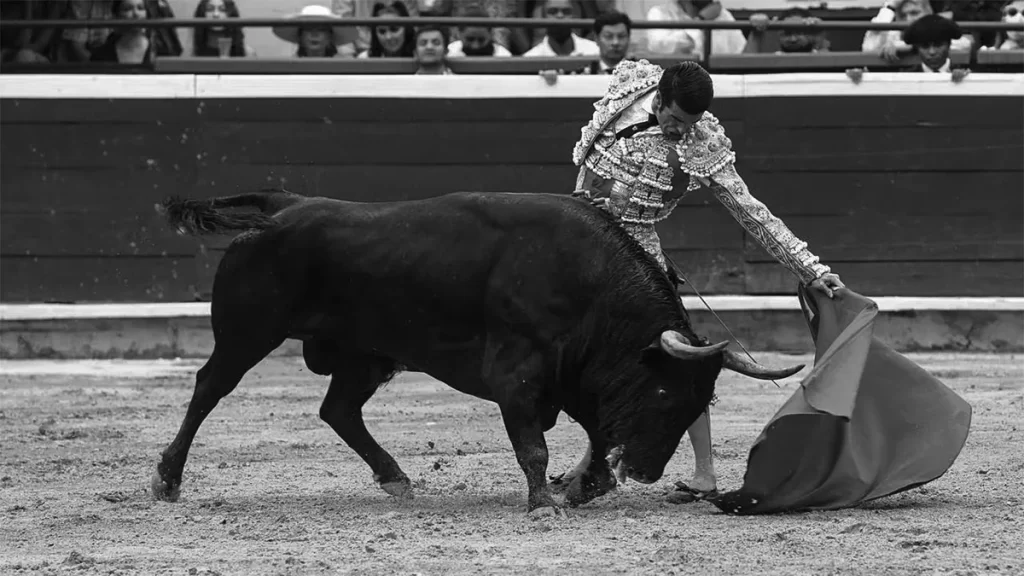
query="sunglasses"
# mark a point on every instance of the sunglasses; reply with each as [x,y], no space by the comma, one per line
[1010,11]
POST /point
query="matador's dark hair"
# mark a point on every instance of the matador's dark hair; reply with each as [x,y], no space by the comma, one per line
[687,85]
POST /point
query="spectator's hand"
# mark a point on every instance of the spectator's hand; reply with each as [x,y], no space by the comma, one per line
[855,74]
[891,54]
[550,76]
[759,22]
[959,74]
[29,56]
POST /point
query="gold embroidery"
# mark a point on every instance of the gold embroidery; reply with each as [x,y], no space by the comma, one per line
[642,173]
[760,223]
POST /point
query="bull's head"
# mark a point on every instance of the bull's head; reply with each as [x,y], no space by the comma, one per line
[677,381]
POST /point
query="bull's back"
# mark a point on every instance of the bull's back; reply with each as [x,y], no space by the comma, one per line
[437,261]
[465,230]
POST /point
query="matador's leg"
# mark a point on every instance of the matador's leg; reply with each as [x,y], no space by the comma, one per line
[703,483]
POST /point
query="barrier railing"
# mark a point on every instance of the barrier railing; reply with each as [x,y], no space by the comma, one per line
[718,63]
[990,60]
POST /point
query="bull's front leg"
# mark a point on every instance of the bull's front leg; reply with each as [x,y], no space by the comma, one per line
[526,432]
[514,370]
[595,479]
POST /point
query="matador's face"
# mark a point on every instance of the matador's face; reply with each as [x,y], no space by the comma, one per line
[674,122]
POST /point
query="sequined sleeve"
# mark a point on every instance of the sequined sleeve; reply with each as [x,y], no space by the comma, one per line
[759,222]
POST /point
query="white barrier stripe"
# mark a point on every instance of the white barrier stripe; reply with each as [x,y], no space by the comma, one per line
[29,312]
[484,86]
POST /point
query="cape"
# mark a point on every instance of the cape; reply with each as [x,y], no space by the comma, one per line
[864,424]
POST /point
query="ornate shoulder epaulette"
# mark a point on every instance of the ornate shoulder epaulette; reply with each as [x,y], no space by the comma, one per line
[707,150]
[630,81]
[631,76]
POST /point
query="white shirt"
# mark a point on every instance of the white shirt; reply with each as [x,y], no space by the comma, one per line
[636,113]
[455,50]
[580,47]
[678,41]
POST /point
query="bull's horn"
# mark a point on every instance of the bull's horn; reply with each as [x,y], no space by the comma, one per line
[737,363]
[674,343]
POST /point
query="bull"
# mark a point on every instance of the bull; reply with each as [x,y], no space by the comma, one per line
[540,303]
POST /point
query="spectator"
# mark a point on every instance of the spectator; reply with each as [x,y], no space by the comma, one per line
[165,39]
[971,11]
[678,41]
[127,45]
[432,50]
[888,43]
[27,45]
[208,42]
[931,37]
[501,36]
[561,40]
[364,9]
[637,10]
[78,44]
[1013,39]
[791,40]
[317,37]
[391,41]
[476,40]
[612,30]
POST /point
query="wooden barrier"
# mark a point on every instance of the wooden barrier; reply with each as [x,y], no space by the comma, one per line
[906,184]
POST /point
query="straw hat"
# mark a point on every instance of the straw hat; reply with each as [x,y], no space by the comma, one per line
[314,13]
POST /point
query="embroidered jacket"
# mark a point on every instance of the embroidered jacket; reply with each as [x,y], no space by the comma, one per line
[641,171]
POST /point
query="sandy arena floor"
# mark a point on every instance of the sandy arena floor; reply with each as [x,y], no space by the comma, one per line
[270,489]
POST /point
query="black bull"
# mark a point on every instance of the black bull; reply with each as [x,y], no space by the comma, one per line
[540,303]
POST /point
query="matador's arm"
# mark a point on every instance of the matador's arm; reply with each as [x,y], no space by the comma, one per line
[759,222]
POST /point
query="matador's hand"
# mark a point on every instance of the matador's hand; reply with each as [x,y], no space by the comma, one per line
[828,283]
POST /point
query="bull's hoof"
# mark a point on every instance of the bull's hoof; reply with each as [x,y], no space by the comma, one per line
[544,512]
[401,489]
[164,491]
[586,487]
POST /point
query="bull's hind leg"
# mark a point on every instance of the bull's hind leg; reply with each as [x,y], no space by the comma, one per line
[215,380]
[353,383]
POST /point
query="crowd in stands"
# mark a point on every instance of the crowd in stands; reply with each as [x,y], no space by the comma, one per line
[320,31]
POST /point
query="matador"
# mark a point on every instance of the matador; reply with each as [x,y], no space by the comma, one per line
[650,142]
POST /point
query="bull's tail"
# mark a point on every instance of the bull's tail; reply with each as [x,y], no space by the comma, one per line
[197,217]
